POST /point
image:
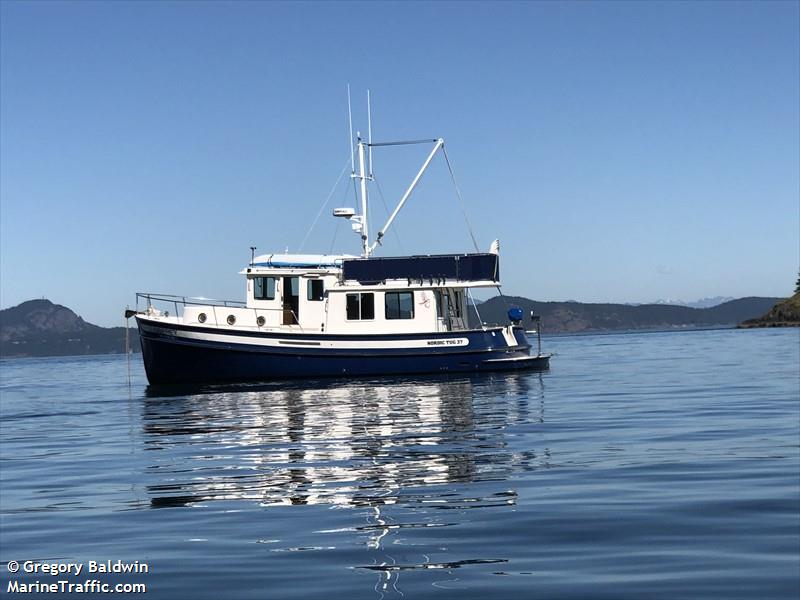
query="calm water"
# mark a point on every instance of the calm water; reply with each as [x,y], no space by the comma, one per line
[658,465]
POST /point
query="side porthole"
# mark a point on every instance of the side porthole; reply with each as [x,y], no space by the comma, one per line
[201,318]
[260,321]
[231,319]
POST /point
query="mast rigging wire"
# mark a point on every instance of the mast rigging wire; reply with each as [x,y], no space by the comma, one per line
[469,227]
[324,204]
[475,306]
[335,233]
[460,199]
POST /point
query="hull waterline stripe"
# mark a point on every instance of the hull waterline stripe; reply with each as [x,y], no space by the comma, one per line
[333,344]
[159,325]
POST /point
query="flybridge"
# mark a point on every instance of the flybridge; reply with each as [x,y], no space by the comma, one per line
[453,268]
[448,267]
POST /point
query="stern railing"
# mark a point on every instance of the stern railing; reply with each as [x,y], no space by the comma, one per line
[180,302]
[184,301]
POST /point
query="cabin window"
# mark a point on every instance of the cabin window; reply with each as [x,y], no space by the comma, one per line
[399,305]
[360,307]
[264,288]
[316,289]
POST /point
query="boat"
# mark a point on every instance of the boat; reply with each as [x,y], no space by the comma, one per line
[324,315]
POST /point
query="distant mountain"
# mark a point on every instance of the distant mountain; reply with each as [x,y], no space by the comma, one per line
[41,328]
[569,317]
[785,313]
[702,303]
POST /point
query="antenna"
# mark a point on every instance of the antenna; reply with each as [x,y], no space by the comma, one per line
[350,119]
[369,133]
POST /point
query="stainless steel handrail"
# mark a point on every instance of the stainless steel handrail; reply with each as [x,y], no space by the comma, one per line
[213,304]
[186,300]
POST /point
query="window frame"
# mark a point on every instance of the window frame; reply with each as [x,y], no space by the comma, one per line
[265,287]
[315,297]
[359,295]
[397,306]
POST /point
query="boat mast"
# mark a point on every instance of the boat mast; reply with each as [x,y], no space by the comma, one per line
[350,140]
[363,177]
[369,133]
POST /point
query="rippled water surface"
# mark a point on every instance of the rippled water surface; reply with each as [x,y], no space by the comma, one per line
[658,465]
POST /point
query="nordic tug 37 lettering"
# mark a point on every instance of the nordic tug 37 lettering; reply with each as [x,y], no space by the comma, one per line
[309,315]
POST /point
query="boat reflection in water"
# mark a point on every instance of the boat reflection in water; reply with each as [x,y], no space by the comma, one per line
[367,444]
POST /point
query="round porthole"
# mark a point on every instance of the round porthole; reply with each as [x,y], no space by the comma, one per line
[201,318]
[260,321]
[231,319]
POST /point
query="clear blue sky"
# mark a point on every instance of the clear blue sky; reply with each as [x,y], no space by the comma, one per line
[621,152]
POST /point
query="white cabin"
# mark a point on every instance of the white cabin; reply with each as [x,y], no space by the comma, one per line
[317,294]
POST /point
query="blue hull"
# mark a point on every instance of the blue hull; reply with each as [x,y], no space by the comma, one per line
[169,358]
